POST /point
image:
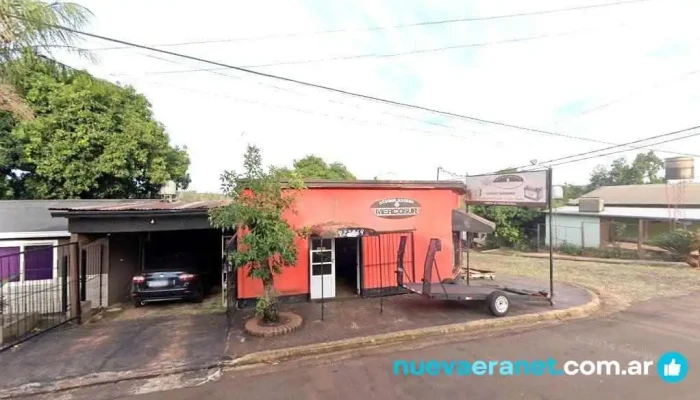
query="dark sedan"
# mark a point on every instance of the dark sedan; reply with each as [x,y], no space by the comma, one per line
[167,284]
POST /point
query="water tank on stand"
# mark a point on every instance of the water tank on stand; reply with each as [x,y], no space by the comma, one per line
[680,168]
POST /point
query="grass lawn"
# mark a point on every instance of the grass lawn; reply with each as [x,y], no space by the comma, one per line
[628,283]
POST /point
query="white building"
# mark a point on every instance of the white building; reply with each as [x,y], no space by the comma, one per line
[633,213]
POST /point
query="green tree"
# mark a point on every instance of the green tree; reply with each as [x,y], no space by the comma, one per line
[89,138]
[513,224]
[645,168]
[314,167]
[30,24]
[259,202]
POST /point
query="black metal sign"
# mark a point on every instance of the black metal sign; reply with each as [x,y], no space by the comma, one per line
[396,208]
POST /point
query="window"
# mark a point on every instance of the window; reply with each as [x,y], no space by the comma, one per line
[26,262]
[9,264]
[321,269]
[38,263]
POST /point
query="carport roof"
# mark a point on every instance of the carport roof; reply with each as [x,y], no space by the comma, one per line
[145,206]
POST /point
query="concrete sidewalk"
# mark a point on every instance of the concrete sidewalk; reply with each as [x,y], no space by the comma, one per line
[362,317]
[112,351]
[114,348]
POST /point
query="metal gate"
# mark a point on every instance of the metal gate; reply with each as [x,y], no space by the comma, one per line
[385,254]
[34,289]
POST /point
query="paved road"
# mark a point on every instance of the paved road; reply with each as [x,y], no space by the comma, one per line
[643,332]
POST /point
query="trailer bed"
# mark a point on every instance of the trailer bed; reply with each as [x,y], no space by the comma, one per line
[457,291]
[452,291]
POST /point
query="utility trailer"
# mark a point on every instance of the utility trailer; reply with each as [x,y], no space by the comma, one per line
[497,297]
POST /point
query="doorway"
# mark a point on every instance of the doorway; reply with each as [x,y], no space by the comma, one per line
[322,257]
[347,264]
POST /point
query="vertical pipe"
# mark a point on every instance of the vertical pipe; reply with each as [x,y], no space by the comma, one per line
[583,235]
[469,243]
[640,234]
[438,174]
[74,271]
[323,278]
[381,281]
[551,254]
[101,261]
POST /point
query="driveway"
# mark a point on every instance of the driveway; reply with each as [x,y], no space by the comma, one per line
[134,344]
[642,332]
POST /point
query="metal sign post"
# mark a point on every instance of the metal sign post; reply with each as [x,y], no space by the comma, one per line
[551,234]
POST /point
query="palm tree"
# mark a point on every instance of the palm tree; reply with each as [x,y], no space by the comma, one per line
[31,24]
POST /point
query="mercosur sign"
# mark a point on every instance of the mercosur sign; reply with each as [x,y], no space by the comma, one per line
[396,208]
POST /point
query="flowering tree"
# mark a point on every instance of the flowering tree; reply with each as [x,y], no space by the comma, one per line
[259,198]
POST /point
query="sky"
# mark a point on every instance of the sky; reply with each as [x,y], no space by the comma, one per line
[613,74]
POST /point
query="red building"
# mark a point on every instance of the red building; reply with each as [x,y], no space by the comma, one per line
[357,228]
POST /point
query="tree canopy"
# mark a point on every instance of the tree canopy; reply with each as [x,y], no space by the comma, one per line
[31,24]
[89,138]
[314,167]
[645,168]
[259,203]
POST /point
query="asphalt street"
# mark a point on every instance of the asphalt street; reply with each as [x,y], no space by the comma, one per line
[643,332]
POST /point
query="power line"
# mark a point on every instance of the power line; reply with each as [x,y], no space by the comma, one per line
[386,55]
[323,87]
[622,151]
[306,111]
[334,101]
[380,28]
[613,147]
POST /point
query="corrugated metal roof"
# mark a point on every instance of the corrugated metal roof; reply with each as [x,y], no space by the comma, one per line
[652,213]
[384,184]
[147,205]
[34,215]
[649,195]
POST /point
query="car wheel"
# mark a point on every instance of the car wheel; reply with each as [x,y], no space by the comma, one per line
[198,298]
[137,303]
[498,303]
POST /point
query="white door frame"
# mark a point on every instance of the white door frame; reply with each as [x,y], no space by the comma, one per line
[322,285]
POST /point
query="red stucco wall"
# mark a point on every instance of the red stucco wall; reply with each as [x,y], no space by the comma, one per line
[353,206]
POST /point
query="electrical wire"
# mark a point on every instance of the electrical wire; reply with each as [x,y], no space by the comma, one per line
[380,28]
[322,87]
[622,151]
[422,121]
[389,55]
[609,148]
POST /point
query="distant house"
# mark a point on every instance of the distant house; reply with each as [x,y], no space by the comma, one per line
[634,213]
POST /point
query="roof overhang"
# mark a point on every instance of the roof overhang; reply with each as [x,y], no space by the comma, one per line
[34,235]
[463,221]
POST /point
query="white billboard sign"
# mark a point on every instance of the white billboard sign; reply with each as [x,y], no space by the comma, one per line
[527,189]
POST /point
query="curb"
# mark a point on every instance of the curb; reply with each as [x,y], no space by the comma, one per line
[598,260]
[273,356]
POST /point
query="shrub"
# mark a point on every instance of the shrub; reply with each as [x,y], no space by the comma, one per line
[570,249]
[677,242]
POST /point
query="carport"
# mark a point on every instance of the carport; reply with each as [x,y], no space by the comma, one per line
[141,236]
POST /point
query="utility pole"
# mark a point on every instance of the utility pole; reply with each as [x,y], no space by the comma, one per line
[438,173]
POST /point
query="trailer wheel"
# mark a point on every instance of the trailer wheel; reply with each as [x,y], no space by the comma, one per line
[448,281]
[498,303]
